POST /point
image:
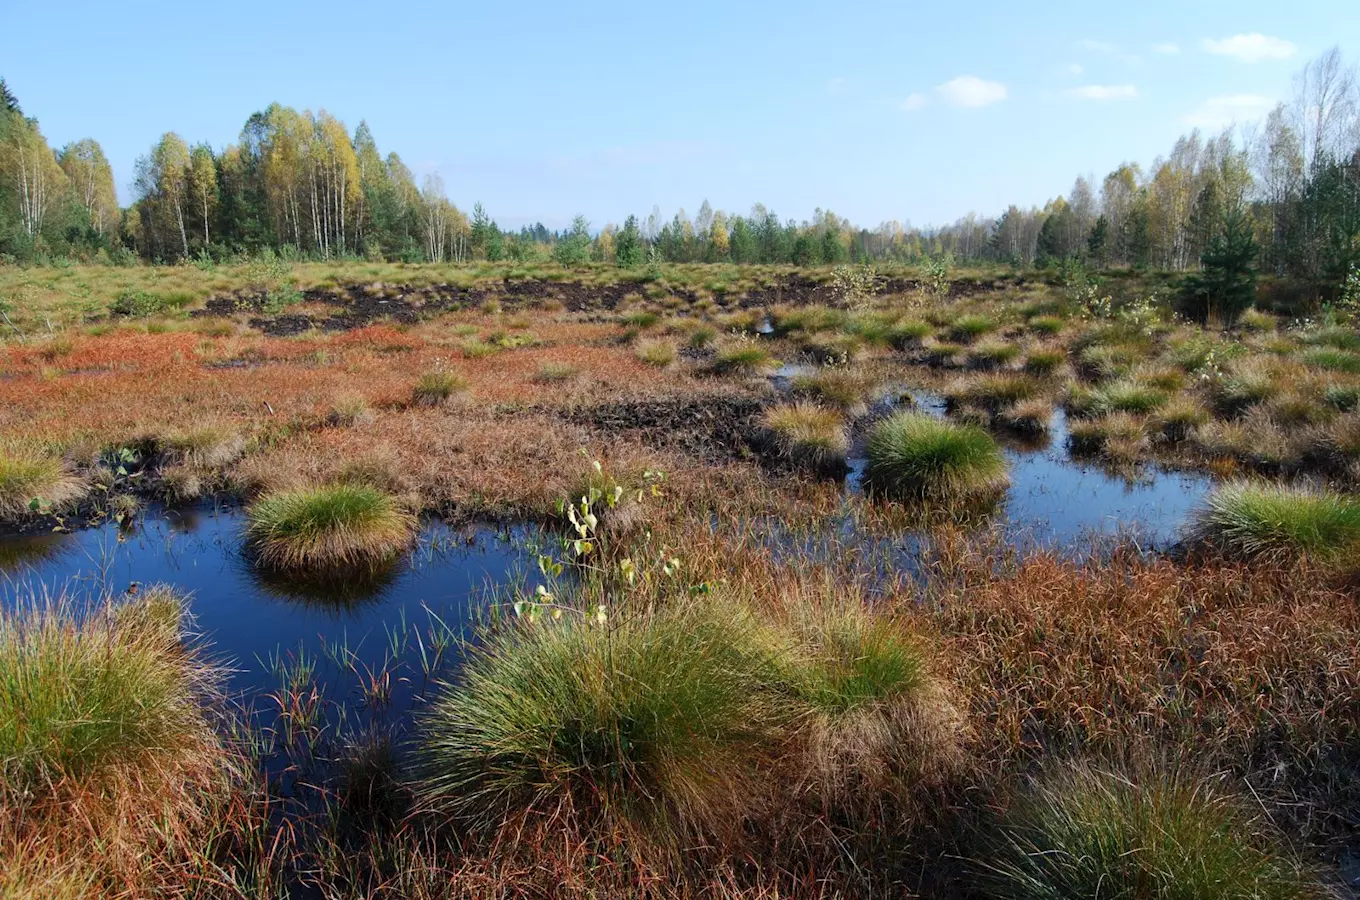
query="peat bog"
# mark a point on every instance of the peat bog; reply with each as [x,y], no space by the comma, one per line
[699,583]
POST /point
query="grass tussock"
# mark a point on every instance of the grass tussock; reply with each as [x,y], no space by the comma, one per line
[115,778]
[808,435]
[435,388]
[837,388]
[26,476]
[918,456]
[658,354]
[1258,519]
[340,526]
[649,721]
[1085,832]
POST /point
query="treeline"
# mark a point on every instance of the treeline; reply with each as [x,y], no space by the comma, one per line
[300,183]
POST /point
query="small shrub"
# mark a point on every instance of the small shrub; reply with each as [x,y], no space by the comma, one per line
[1250,519]
[343,526]
[921,457]
[1085,833]
[435,388]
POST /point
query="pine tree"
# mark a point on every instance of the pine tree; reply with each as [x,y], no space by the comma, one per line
[1227,285]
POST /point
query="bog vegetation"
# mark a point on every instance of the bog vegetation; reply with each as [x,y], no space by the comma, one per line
[750,661]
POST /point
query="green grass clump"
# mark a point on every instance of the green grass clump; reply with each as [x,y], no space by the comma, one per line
[1245,384]
[434,388]
[993,355]
[991,392]
[1127,395]
[1333,360]
[1085,833]
[744,359]
[1044,362]
[641,319]
[650,720]
[1344,397]
[658,354]
[1047,325]
[808,435]
[921,457]
[1338,336]
[1273,520]
[1178,419]
[1102,361]
[556,372]
[702,336]
[970,327]
[341,526]
[26,476]
[1027,417]
[83,698]
[908,333]
[838,388]
[207,446]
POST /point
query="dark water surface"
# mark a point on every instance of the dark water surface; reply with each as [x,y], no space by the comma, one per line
[262,627]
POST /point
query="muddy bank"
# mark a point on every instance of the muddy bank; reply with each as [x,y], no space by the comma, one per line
[356,306]
[714,429]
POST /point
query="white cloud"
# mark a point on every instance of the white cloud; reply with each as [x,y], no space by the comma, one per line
[1167,48]
[1251,47]
[915,102]
[1104,92]
[971,92]
[1220,112]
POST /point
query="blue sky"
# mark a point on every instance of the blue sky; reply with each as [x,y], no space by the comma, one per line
[915,112]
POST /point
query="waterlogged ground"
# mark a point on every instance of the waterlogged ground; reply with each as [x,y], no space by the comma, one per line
[395,629]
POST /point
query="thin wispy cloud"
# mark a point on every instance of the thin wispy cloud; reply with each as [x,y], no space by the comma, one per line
[915,102]
[1167,48]
[1104,92]
[971,92]
[964,92]
[1251,48]
[1220,112]
[1076,69]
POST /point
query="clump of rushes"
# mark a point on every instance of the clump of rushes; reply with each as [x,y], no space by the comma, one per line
[1127,395]
[991,392]
[1245,384]
[109,757]
[908,333]
[942,354]
[652,722]
[1344,397]
[702,336]
[993,355]
[207,446]
[435,388]
[1027,417]
[1046,325]
[1102,361]
[350,410]
[1179,418]
[658,354]
[808,436]
[971,326]
[1332,360]
[1044,362]
[1085,832]
[920,457]
[837,388]
[1279,521]
[641,319]
[1117,436]
[876,718]
[556,372]
[340,526]
[746,359]
[26,476]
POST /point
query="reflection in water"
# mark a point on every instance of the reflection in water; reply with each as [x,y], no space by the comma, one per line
[252,619]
